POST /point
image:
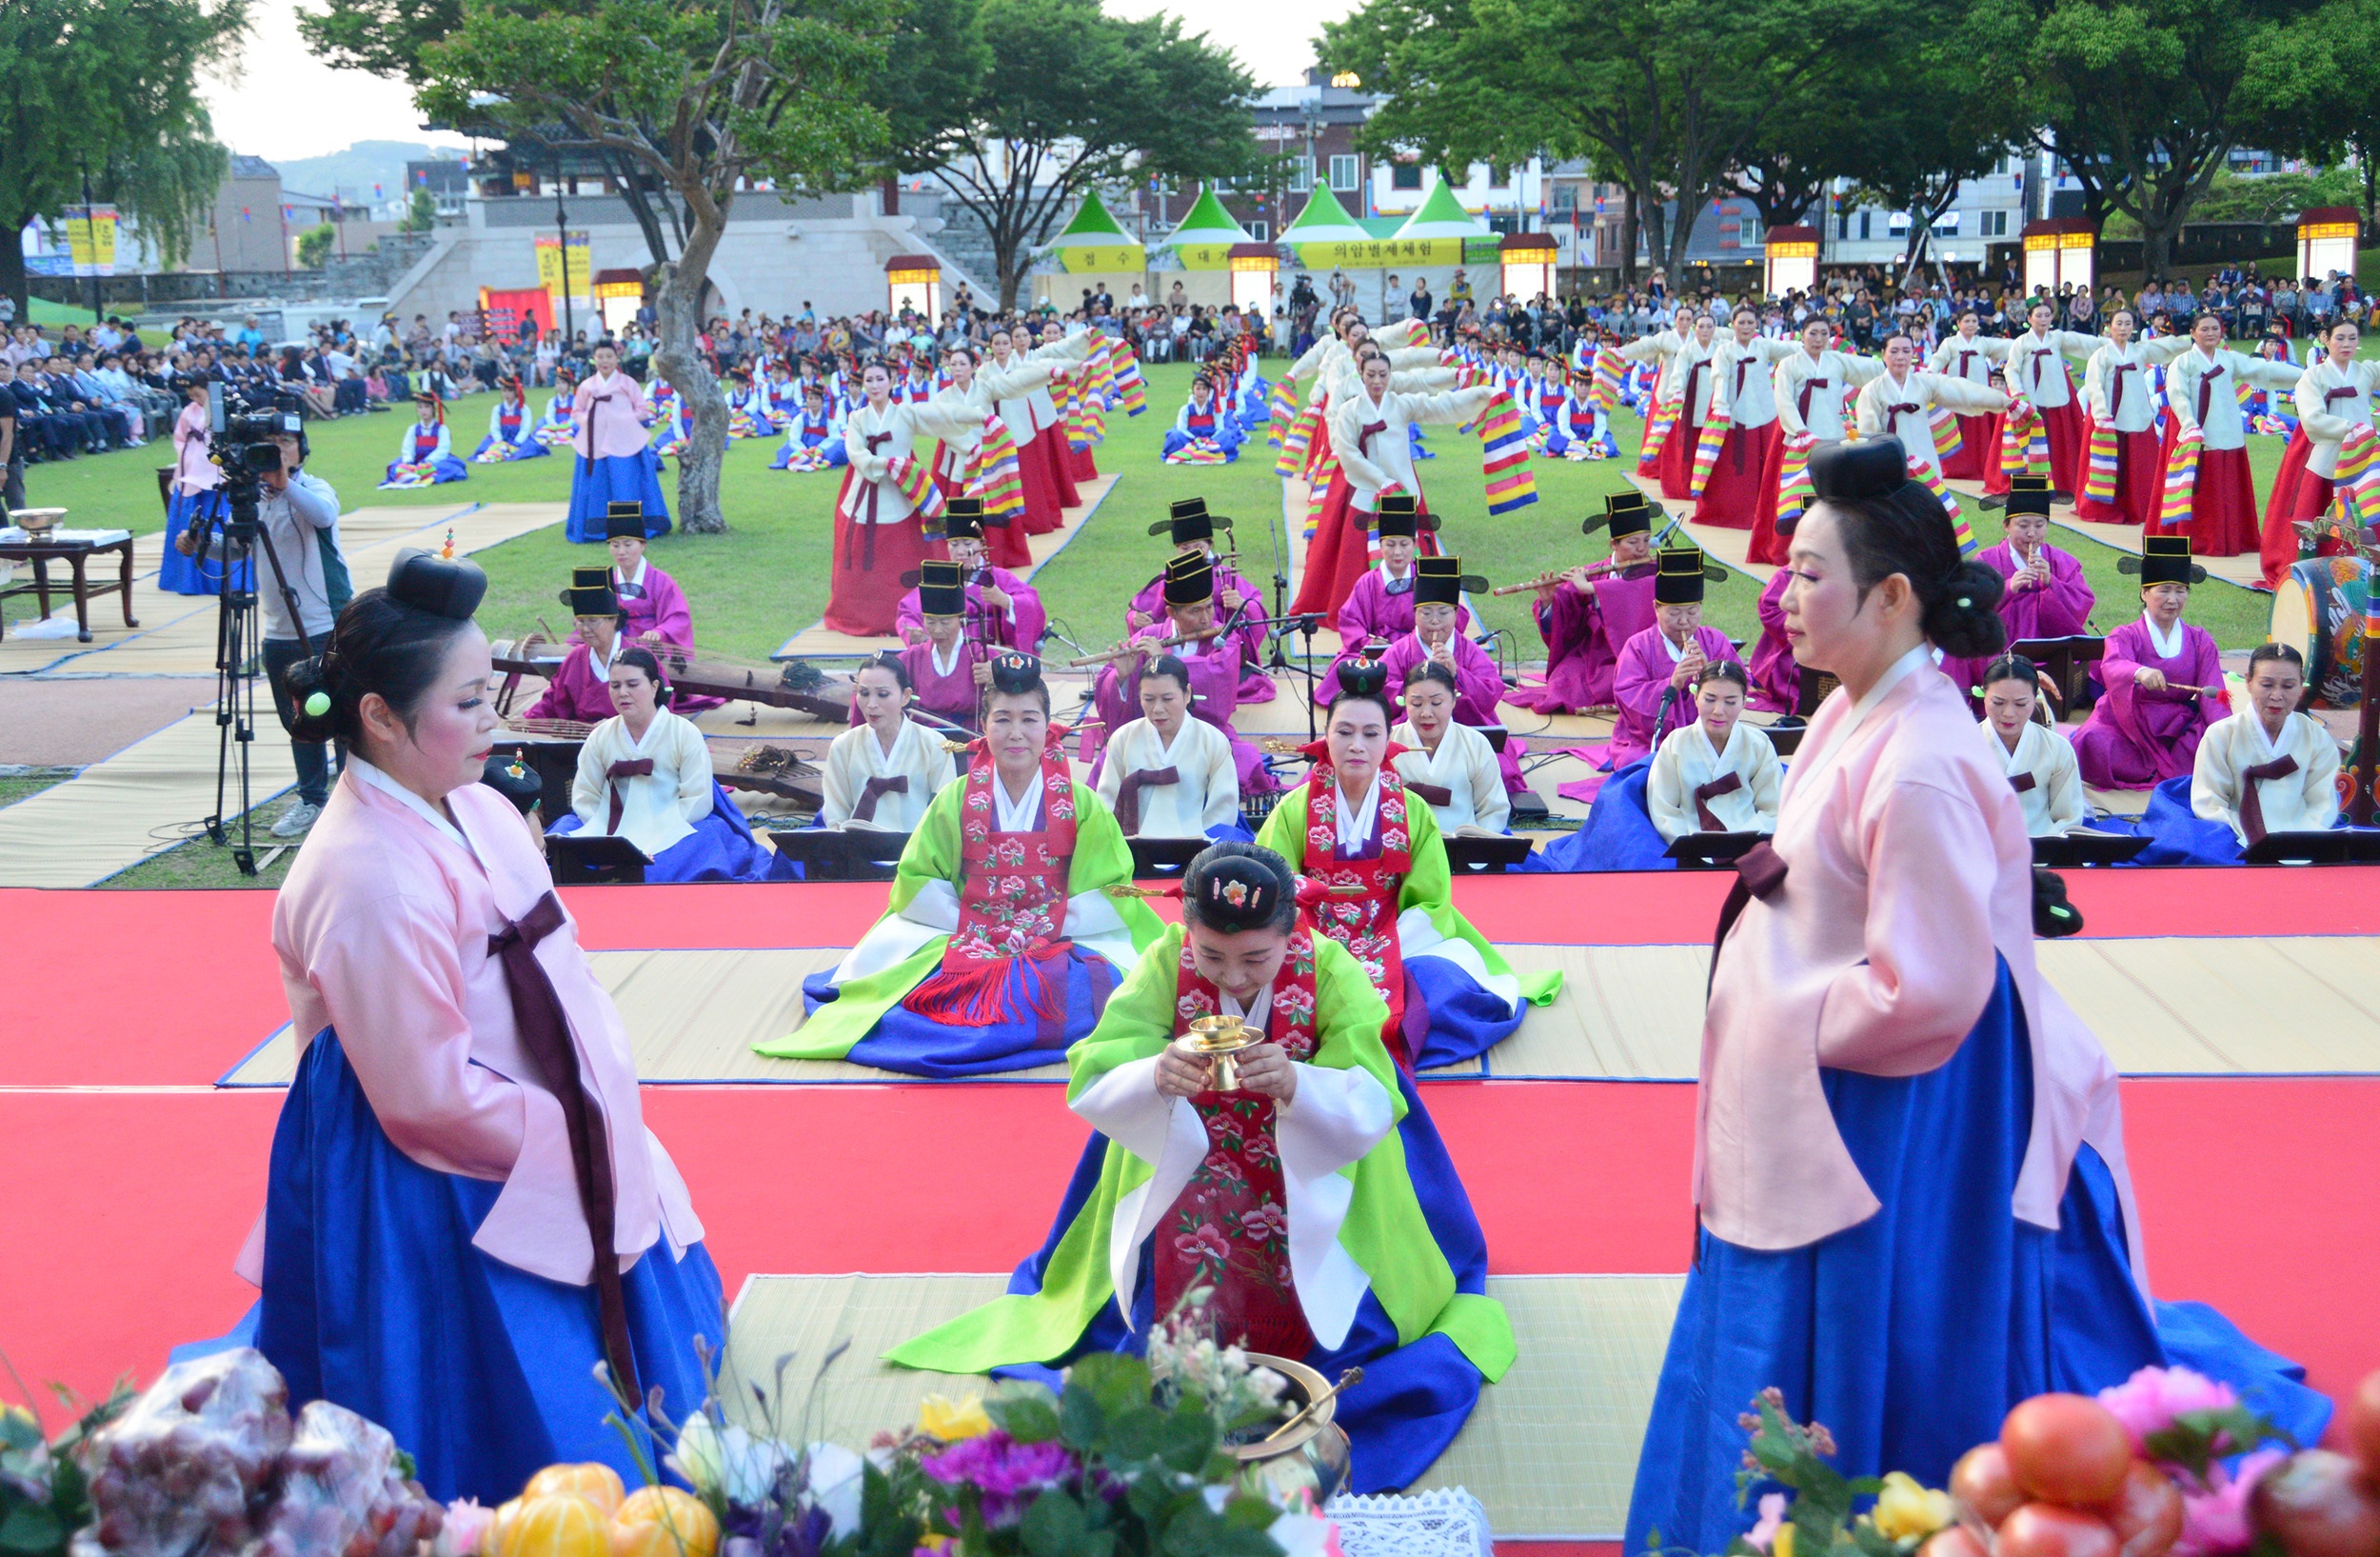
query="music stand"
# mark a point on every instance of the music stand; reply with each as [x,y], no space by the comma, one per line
[2336,845]
[1815,685]
[1164,856]
[2080,848]
[1785,735]
[2064,660]
[841,853]
[1712,850]
[1475,854]
[579,859]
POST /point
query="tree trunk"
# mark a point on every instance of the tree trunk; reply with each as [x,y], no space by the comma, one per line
[681,362]
[1011,278]
[1628,235]
[1682,238]
[13,279]
[2156,245]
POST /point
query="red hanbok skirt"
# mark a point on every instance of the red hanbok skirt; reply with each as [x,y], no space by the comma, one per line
[1746,467]
[1044,504]
[1979,448]
[2222,505]
[2139,481]
[1677,460]
[864,598]
[1005,542]
[2070,448]
[1336,558]
[2297,493]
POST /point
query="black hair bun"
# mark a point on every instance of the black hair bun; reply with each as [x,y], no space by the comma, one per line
[1016,673]
[1235,887]
[1851,473]
[1363,679]
[430,583]
[1965,619]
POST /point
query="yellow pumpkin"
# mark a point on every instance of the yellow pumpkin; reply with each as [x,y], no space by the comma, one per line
[596,1482]
[664,1522]
[549,1525]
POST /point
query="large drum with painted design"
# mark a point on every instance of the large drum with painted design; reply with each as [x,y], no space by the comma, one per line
[2318,609]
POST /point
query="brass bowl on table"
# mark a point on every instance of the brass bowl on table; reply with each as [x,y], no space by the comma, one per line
[1311,1456]
[1218,1038]
[37,522]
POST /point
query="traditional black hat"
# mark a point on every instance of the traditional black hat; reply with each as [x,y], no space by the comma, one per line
[1015,673]
[513,779]
[591,593]
[625,522]
[2164,559]
[1625,513]
[451,587]
[963,519]
[2027,494]
[1680,582]
[1189,578]
[1401,517]
[1190,522]
[1440,581]
[942,588]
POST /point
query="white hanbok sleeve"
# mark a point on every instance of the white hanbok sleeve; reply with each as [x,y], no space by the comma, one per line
[2065,802]
[589,784]
[840,796]
[1222,780]
[693,758]
[1489,800]
[1666,799]
[2214,777]
[1766,780]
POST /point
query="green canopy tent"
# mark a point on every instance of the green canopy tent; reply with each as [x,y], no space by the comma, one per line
[1093,247]
[1196,257]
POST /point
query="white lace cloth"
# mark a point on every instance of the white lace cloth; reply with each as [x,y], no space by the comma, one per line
[1443,1522]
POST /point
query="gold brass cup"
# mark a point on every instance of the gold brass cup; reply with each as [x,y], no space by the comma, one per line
[1218,1038]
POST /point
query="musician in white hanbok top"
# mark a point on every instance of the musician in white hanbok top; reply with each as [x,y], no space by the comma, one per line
[645,775]
[1717,774]
[2120,397]
[2040,758]
[2268,769]
[2202,395]
[885,770]
[1167,775]
[2334,396]
[2037,370]
[1450,764]
[1899,403]
[1744,392]
[1974,357]
[877,534]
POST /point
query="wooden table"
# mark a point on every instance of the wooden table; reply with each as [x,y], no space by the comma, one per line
[77,557]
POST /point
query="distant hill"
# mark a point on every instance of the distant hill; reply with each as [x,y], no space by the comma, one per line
[355,170]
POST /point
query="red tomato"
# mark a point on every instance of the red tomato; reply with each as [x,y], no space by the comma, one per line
[2065,1449]
[2363,1425]
[2147,1514]
[1982,1481]
[2045,1530]
[2317,1504]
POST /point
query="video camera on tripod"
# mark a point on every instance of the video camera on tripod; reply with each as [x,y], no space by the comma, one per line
[240,433]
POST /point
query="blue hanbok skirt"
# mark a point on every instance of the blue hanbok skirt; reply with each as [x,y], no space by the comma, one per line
[1412,1401]
[1912,1334]
[721,847]
[1073,989]
[376,1300]
[178,574]
[448,468]
[1618,834]
[528,448]
[1450,1017]
[595,485]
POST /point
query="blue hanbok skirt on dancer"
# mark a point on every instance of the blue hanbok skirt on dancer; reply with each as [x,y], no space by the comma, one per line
[595,485]
[1412,1401]
[528,448]
[376,1300]
[722,847]
[1912,1334]
[1039,1010]
[1618,834]
[446,469]
[178,574]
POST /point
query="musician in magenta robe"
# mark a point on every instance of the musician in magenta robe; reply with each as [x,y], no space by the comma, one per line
[1379,607]
[2145,729]
[655,606]
[580,688]
[950,664]
[1438,586]
[1586,622]
[1003,610]
[1193,529]
[1775,678]
[2048,596]
[1214,665]
[1659,664]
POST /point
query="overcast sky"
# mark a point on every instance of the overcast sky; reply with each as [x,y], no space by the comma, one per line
[287,104]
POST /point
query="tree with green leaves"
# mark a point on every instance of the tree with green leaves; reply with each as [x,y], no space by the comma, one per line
[2144,100]
[103,95]
[685,99]
[1669,95]
[1022,106]
[315,246]
[2325,115]
[421,212]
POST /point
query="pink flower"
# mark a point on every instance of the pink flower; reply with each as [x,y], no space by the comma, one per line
[1772,1520]
[1261,1151]
[2215,1521]
[1266,1221]
[1194,1005]
[1007,1473]
[2148,1401]
[1205,1242]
